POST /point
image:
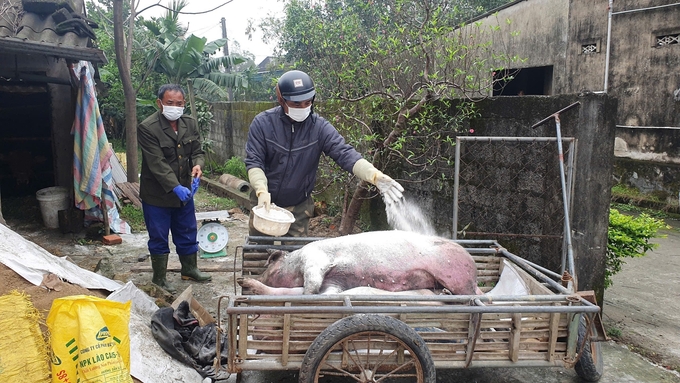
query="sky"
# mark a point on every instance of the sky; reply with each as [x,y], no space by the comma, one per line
[236,13]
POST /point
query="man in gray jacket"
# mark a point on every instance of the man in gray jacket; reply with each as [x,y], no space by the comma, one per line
[284,147]
[171,169]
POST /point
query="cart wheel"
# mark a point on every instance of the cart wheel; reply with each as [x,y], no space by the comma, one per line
[368,348]
[590,364]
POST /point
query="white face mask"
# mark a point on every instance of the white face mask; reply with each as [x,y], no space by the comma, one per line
[299,114]
[173,113]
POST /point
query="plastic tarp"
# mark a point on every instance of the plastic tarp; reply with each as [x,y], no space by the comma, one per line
[148,362]
[33,262]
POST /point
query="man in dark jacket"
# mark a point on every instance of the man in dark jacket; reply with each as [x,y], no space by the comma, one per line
[171,169]
[284,147]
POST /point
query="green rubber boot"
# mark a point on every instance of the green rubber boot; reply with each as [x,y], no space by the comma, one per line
[159,264]
[190,270]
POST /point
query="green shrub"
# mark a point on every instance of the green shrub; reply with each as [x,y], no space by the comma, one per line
[234,166]
[629,237]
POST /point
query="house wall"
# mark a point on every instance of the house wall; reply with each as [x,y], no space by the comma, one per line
[229,132]
[587,25]
[642,76]
[63,101]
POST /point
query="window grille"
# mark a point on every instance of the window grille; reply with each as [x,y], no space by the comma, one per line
[668,39]
[588,49]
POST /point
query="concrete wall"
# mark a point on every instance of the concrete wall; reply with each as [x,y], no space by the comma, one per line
[542,40]
[63,101]
[229,132]
[642,75]
[592,124]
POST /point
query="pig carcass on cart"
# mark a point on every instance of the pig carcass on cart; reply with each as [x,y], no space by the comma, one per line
[396,337]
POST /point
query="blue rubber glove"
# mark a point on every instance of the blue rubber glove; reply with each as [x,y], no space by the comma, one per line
[194,185]
[183,193]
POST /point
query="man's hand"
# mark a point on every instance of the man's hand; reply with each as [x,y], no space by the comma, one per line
[196,171]
[390,189]
[183,193]
[264,199]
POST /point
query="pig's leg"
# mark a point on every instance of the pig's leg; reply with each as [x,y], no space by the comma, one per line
[314,276]
[260,288]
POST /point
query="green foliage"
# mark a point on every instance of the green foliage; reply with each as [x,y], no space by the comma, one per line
[111,97]
[614,332]
[629,237]
[234,166]
[395,65]
[204,118]
[134,217]
[191,61]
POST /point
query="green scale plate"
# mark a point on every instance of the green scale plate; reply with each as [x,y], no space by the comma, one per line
[212,239]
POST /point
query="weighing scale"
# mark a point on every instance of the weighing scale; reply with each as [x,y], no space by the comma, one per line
[212,239]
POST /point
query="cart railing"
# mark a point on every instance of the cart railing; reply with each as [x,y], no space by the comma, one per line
[273,332]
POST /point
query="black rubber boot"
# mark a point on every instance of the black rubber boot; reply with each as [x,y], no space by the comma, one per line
[159,264]
[190,270]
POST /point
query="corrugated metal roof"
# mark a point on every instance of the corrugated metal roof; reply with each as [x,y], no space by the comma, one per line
[28,32]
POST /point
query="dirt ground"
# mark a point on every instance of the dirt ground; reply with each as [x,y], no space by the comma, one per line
[120,262]
[641,310]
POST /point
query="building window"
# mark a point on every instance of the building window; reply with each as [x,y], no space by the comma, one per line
[668,39]
[588,49]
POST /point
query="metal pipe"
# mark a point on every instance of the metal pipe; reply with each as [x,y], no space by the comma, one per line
[609,44]
[644,9]
[521,139]
[529,269]
[565,201]
[544,270]
[268,247]
[455,188]
[255,238]
[444,309]
[323,299]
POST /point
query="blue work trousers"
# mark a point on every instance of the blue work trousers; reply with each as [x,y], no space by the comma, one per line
[180,221]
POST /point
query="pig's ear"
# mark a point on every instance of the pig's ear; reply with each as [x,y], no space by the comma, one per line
[274,255]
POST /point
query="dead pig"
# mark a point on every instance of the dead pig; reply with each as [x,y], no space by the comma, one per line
[386,260]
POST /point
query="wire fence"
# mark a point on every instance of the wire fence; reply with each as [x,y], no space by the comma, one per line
[509,189]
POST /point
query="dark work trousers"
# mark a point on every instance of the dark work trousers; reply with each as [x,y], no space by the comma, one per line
[181,221]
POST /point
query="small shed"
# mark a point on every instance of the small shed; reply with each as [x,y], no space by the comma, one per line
[38,39]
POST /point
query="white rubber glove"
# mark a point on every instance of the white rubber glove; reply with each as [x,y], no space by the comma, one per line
[390,189]
[258,180]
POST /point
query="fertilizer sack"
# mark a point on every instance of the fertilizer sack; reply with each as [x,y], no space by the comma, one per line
[23,351]
[90,340]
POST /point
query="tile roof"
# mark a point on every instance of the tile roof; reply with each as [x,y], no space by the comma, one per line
[30,32]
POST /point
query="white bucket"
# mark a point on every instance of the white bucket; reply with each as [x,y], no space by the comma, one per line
[52,200]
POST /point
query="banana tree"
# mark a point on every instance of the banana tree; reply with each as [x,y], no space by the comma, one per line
[191,60]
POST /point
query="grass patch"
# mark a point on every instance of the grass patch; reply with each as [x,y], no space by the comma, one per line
[206,201]
[614,332]
[134,217]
